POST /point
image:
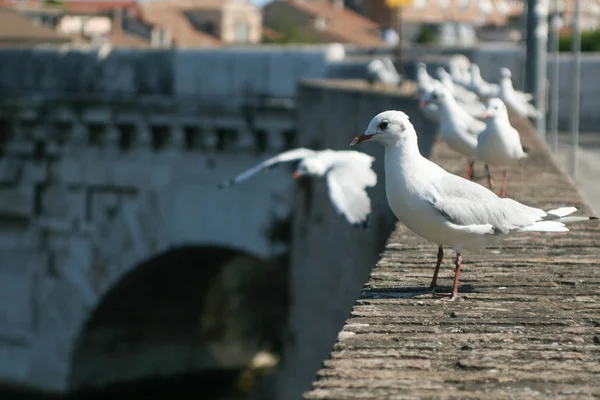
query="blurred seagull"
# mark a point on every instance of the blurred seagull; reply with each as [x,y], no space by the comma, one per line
[382,70]
[483,89]
[348,174]
[517,102]
[499,144]
[457,127]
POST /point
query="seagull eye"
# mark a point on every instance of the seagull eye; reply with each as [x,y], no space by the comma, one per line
[383,125]
[434,96]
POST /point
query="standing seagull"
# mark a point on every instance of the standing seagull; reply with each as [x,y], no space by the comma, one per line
[516,101]
[457,127]
[445,208]
[348,174]
[499,144]
[478,85]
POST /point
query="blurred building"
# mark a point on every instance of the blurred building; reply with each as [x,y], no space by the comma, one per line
[17,31]
[475,12]
[162,23]
[321,21]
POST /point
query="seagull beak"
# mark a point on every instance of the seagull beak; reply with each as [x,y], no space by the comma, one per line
[360,139]
[296,175]
[422,104]
[486,115]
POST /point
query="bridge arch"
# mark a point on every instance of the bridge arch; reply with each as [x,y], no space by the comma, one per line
[191,317]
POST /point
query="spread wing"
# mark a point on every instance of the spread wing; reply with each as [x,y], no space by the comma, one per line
[473,207]
[290,155]
[347,179]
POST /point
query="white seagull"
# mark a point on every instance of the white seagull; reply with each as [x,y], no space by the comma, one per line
[445,208]
[516,101]
[431,111]
[457,127]
[348,174]
[499,144]
[482,88]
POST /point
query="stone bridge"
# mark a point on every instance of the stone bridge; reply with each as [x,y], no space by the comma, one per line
[120,260]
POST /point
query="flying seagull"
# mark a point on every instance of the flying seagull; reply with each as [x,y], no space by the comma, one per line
[348,174]
[445,208]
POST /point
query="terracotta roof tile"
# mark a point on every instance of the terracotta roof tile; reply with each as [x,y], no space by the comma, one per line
[341,24]
[166,16]
[15,28]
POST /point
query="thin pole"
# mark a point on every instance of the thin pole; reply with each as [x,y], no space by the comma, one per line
[537,42]
[575,87]
[399,50]
[554,78]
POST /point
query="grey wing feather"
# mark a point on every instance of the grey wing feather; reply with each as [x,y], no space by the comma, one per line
[466,203]
[290,155]
[347,180]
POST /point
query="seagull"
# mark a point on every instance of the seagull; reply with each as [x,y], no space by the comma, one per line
[467,99]
[499,144]
[431,111]
[380,70]
[348,174]
[445,208]
[482,88]
[457,127]
[461,94]
[459,70]
[518,102]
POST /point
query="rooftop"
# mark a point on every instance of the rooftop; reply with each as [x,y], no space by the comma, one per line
[526,324]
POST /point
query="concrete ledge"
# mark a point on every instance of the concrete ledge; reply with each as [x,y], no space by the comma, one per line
[526,326]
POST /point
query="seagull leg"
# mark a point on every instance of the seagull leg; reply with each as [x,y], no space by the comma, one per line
[470,170]
[489,177]
[440,256]
[504,178]
[454,293]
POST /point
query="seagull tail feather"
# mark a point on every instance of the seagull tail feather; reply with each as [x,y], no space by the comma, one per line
[555,221]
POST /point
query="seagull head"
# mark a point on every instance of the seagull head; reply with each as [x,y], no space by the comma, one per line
[505,72]
[387,127]
[438,95]
[310,166]
[495,108]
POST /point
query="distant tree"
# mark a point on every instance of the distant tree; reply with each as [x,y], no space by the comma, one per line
[57,3]
[426,35]
[292,35]
[590,41]
[289,32]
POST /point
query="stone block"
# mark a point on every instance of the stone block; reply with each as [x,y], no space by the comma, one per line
[16,296]
[14,361]
[9,169]
[34,172]
[104,205]
[17,201]
[63,203]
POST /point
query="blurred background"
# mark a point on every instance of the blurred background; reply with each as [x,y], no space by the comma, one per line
[126,273]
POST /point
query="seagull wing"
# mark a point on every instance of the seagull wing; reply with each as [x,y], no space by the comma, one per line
[290,155]
[474,208]
[347,179]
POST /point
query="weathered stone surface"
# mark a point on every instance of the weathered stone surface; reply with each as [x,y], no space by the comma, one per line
[64,203]
[524,323]
[17,271]
[9,169]
[17,201]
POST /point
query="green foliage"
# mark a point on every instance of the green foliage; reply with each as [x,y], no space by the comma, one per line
[426,35]
[590,41]
[291,34]
[56,3]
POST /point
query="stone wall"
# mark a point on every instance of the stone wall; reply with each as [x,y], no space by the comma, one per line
[330,259]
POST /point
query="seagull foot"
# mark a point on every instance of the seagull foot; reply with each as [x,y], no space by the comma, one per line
[502,193]
[446,296]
